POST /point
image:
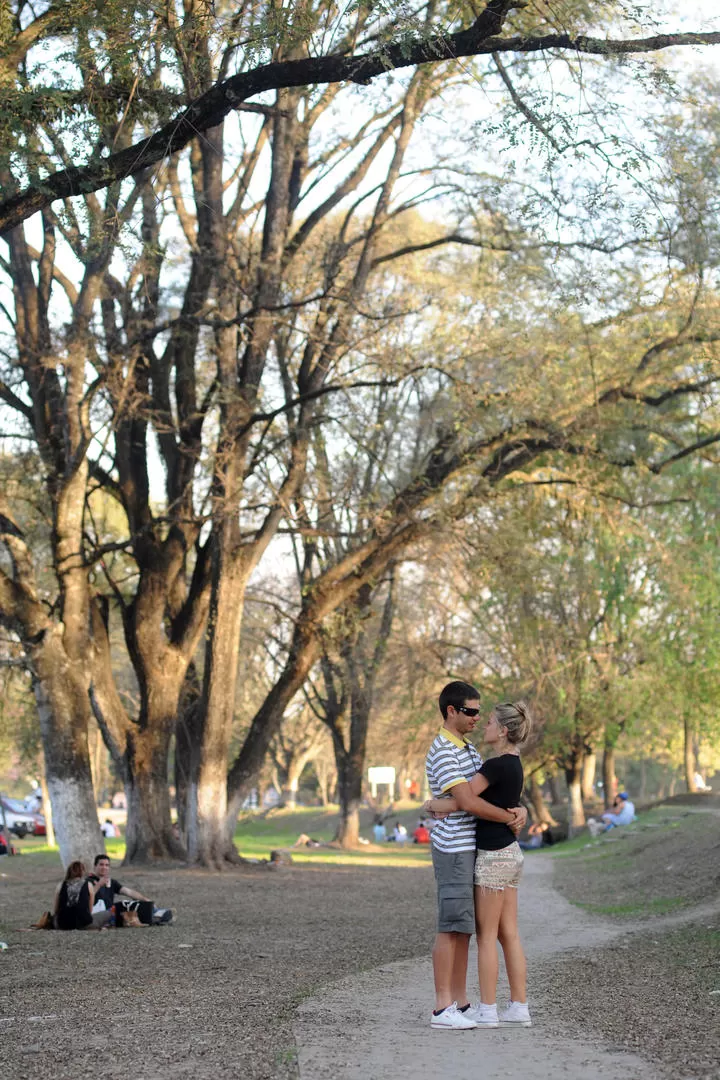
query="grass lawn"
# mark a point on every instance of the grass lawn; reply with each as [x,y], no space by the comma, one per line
[651,867]
[257,835]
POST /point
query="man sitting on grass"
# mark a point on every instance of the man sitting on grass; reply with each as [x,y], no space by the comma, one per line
[622,813]
[107,888]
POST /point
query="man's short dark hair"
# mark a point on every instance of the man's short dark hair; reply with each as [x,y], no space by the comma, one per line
[99,857]
[456,694]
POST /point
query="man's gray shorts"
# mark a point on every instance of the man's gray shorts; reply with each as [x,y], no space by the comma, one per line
[455,890]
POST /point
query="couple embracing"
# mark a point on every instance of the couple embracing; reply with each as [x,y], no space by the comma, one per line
[477,860]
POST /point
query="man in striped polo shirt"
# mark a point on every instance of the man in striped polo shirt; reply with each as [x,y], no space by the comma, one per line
[451,763]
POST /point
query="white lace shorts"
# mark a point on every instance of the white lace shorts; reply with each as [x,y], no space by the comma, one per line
[498,870]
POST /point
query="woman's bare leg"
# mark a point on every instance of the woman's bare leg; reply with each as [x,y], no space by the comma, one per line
[488,907]
[509,938]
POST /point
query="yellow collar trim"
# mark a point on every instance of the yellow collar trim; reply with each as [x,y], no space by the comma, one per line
[454,739]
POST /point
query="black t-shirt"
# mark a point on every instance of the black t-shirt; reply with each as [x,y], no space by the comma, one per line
[74,905]
[106,893]
[505,778]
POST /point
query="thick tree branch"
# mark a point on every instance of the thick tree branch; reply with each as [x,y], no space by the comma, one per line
[693,448]
[212,107]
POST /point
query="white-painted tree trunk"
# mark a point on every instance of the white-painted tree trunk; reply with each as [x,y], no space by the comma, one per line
[75,820]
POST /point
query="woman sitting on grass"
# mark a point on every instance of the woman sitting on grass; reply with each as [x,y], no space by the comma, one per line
[498,867]
[74,899]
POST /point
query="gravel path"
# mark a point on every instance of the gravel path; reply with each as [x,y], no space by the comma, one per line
[377,1025]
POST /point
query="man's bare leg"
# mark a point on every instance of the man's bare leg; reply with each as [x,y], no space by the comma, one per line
[449,956]
[458,986]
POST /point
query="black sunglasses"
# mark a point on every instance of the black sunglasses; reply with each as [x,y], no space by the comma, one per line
[469,712]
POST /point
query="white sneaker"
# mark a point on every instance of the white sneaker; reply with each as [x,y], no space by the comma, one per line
[452,1018]
[484,1015]
[517,1013]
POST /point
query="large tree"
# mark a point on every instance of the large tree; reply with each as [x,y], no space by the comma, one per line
[228,345]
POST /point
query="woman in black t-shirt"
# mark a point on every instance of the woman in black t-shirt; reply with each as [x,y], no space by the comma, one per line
[498,868]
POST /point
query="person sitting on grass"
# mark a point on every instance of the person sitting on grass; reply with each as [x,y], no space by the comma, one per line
[5,847]
[106,889]
[74,898]
[399,833]
[622,813]
[422,833]
[379,834]
[538,834]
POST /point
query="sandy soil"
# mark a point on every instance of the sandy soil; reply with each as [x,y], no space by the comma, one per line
[213,995]
[666,976]
[251,968]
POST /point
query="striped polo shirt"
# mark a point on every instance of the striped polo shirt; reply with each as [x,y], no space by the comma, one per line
[450,761]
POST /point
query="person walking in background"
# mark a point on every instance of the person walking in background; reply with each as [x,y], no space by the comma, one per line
[498,868]
[451,763]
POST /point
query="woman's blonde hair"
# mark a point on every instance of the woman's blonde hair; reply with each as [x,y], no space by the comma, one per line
[515,716]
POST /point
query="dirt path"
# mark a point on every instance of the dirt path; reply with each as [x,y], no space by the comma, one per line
[377,1025]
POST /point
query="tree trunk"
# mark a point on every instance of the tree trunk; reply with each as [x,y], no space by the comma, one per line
[321,768]
[539,808]
[689,753]
[642,791]
[554,791]
[208,840]
[188,733]
[149,833]
[608,770]
[47,809]
[588,775]
[573,775]
[289,790]
[349,771]
[60,688]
